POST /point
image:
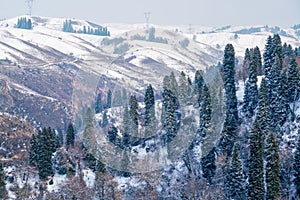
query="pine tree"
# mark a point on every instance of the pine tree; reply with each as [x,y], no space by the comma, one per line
[257,54]
[235,179]
[231,119]
[98,104]
[198,86]
[108,99]
[70,137]
[183,88]
[150,121]
[209,165]
[169,115]
[104,119]
[268,59]
[51,139]
[33,151]
[296,167]
[277,97]
[208,160]
[272,167]
[133,115]
[263,115]
[246,63]
[44,158]
[251,91]
[293,79]
[3,191]
[256,166]
[229,82]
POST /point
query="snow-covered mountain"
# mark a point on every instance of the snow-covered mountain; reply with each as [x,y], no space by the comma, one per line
[48,64]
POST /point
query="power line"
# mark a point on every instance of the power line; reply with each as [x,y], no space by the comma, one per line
[30,5]
[147,17]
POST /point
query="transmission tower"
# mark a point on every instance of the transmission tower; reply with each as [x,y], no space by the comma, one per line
[30,5]
[147,17]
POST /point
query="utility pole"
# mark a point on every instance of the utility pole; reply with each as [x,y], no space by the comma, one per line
[147,17]
[30,5]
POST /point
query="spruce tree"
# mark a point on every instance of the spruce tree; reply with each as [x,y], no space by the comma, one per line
[229,81]
[169,115]
[256,164]
[209,165]
[257,54]
[98,104]
[272,167]
[293,79]
[263,115]
[198,86]
[183,88]
[3,191]
[251,91]
[268,59]
[33,151]
[104,119]
[108,99]
[150,121]
[246,63]
[208,160]
[235,179]
[277,97]
[231,119]
[296,167]
[70,137]
[44,158]
[133,115]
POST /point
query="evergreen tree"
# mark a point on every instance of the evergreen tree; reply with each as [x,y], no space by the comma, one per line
[133,115]
[229,82]
[235,179]
[198,85]
[70,137]
[251,91]
[183,88]
[272,167]
[150,121]
[296,167]
[108,99]
[209,165]
[257,55]
[44,158]
[268,59]
[173,85]
[112,134]
[263,115]
[231,119]
[98,104]
[3,191]
[33,151]
[277,97]
[208,160]
[169,115]
[256,164]
[51,139]
[277,50]
[293,79]
[104,119]
[246,63]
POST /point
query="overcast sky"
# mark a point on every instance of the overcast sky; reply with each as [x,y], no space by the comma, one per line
[284,13]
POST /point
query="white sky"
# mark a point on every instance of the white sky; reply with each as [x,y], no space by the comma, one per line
[284,13]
